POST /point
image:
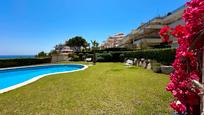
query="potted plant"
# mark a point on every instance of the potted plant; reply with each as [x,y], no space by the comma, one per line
[156,67]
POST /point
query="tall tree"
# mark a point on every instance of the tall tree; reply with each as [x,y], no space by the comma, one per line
[76,43]
[94,47]
[42,54]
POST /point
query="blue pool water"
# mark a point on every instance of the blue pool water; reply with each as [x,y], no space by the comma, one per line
[11,77]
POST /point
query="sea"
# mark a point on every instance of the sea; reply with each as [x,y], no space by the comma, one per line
[16,56]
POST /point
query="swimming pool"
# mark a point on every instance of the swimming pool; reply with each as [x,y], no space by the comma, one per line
[13,78]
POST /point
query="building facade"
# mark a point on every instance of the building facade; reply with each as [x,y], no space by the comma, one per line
[63,50]
[113,41]
[173,19]
[147,34]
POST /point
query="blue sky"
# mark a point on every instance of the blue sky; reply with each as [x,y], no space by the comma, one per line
[31,26]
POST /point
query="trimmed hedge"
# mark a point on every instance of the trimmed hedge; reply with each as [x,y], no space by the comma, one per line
[165,56]
[75,58]
[114,49]
[22,62]
[104,57]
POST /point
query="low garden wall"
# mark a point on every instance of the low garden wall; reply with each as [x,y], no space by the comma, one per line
[58,58]
[22,62]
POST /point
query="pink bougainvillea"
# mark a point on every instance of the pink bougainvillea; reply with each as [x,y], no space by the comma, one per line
[186,63]
[165,34]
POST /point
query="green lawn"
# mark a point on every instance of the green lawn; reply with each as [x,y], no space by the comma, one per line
[107,88]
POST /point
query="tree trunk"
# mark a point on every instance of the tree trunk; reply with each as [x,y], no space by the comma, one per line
[202,97]
[94,57]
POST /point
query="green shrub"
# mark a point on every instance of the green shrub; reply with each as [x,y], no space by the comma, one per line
[23,62]
[156,67]
[122,57]
[75,58]
[81,56]
[164,56]
[88,55]
[114,49]
[100,59]
[104,57]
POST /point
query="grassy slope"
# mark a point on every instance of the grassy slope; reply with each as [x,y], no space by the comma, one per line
[107,88]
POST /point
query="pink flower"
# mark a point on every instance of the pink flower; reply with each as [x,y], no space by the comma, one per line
[187,54]
[164,33]
[170,86]
[180,108]
[179,31]
[195,75]
[186,62]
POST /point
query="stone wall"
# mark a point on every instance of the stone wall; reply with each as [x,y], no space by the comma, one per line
[58,58]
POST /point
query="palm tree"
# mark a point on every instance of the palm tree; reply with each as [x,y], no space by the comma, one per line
[94,47]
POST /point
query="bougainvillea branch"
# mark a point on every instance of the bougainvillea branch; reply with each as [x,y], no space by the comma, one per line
[186,62]
[165,34]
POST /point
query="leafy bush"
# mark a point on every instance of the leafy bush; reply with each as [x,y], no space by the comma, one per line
[115,49]
[156,66]
[75,58]
[104,57]
[81,56]
[122,57]
[22,62]
[88,55]
[100,59]
[42,54]
[164,56]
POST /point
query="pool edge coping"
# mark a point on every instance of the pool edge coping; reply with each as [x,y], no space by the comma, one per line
[39,65]
[38,77]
